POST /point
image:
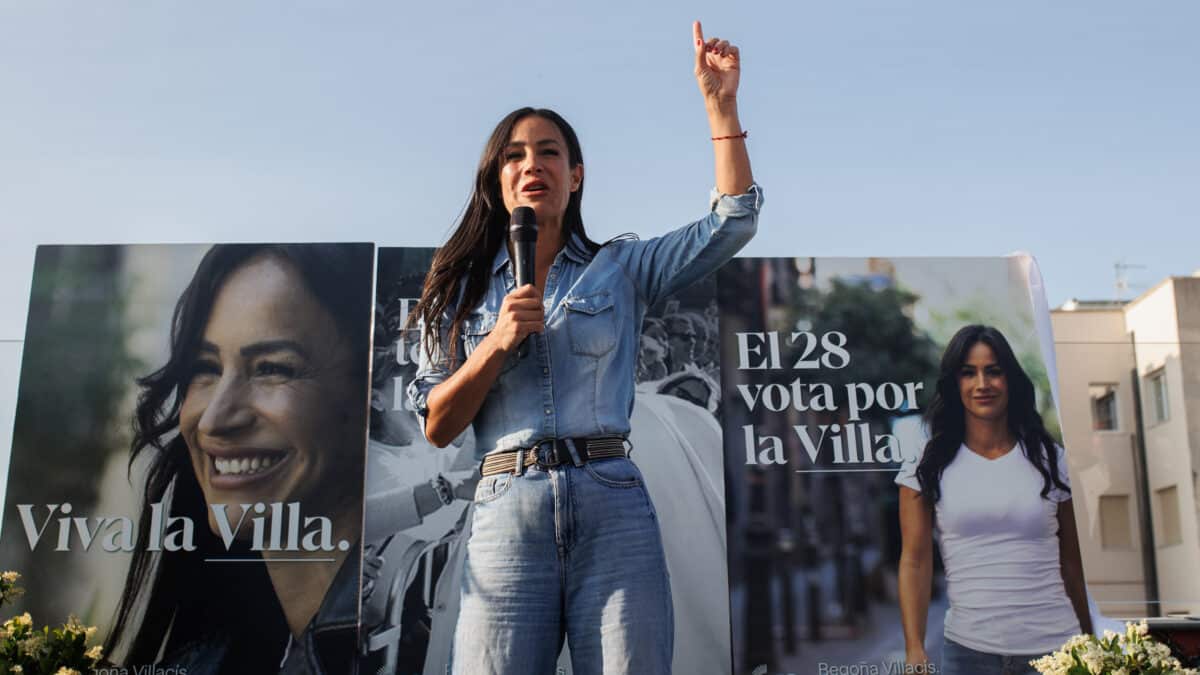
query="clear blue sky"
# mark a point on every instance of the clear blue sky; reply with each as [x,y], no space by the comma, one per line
[1066,129]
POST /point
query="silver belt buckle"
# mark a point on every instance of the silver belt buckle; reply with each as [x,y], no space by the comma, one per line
[541,452]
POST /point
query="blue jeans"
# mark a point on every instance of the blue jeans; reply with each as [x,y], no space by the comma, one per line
[960,660]
[567,551]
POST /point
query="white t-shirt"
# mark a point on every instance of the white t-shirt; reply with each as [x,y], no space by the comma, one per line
[999,543]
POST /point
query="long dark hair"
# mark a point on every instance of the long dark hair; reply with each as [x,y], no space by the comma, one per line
[946,418]
[174,598]
[462,266]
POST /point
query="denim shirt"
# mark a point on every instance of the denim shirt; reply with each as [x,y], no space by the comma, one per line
[577,379]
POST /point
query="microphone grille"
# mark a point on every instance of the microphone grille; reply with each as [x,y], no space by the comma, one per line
[524,216]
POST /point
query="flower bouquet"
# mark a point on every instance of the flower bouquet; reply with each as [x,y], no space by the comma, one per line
[49,651]
[1132,653]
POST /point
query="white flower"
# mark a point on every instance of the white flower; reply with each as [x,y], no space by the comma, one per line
[31,645]
[1131,653]
[73,626]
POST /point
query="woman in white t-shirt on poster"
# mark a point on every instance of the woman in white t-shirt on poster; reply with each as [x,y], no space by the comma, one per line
[992,484]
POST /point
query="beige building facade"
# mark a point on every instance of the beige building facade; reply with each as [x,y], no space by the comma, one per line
[1129,383]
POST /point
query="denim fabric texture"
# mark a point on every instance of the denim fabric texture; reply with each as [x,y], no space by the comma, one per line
[960,660]
[567,552]
[574,551]
[577,379]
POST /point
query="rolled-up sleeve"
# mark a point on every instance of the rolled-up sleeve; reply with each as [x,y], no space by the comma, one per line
[433,367]
[662,265]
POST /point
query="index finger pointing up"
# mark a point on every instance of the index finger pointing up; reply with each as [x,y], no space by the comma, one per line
[698,40]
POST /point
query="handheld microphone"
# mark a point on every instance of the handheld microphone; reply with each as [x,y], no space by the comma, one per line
[522,233]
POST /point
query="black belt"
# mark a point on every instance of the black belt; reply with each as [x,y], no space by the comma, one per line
[554,452]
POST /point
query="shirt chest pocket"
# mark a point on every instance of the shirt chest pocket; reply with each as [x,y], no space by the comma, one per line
[475,328]
[591,324]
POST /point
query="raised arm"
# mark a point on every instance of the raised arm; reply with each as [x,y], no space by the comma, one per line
[915,573]
[663,265]
[718,70]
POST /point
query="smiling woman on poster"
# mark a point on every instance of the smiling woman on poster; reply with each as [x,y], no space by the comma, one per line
[262,401]
[992,484]
[565,541]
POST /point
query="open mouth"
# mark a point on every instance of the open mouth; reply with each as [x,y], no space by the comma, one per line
[244,466]
[230,470]
[534,187]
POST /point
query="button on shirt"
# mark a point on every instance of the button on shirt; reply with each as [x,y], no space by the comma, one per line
[577,378]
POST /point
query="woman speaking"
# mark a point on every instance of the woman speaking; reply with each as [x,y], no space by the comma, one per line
[565,541]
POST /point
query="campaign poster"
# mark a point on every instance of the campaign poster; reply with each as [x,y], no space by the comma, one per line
[415,543]
[829,367]
[188,451]
[414,538]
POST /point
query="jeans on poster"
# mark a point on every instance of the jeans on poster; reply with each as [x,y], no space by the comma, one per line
[960,660]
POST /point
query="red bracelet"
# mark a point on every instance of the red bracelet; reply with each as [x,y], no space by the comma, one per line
[726,138]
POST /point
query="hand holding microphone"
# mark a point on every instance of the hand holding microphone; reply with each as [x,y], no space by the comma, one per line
[521,312]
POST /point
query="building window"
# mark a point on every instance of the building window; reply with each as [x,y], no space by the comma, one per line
[1168,532]
[1160,404]
[1104,406]
[1115,531]
[1196,494]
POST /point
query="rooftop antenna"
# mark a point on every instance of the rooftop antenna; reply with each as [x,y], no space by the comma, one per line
[1121,279]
